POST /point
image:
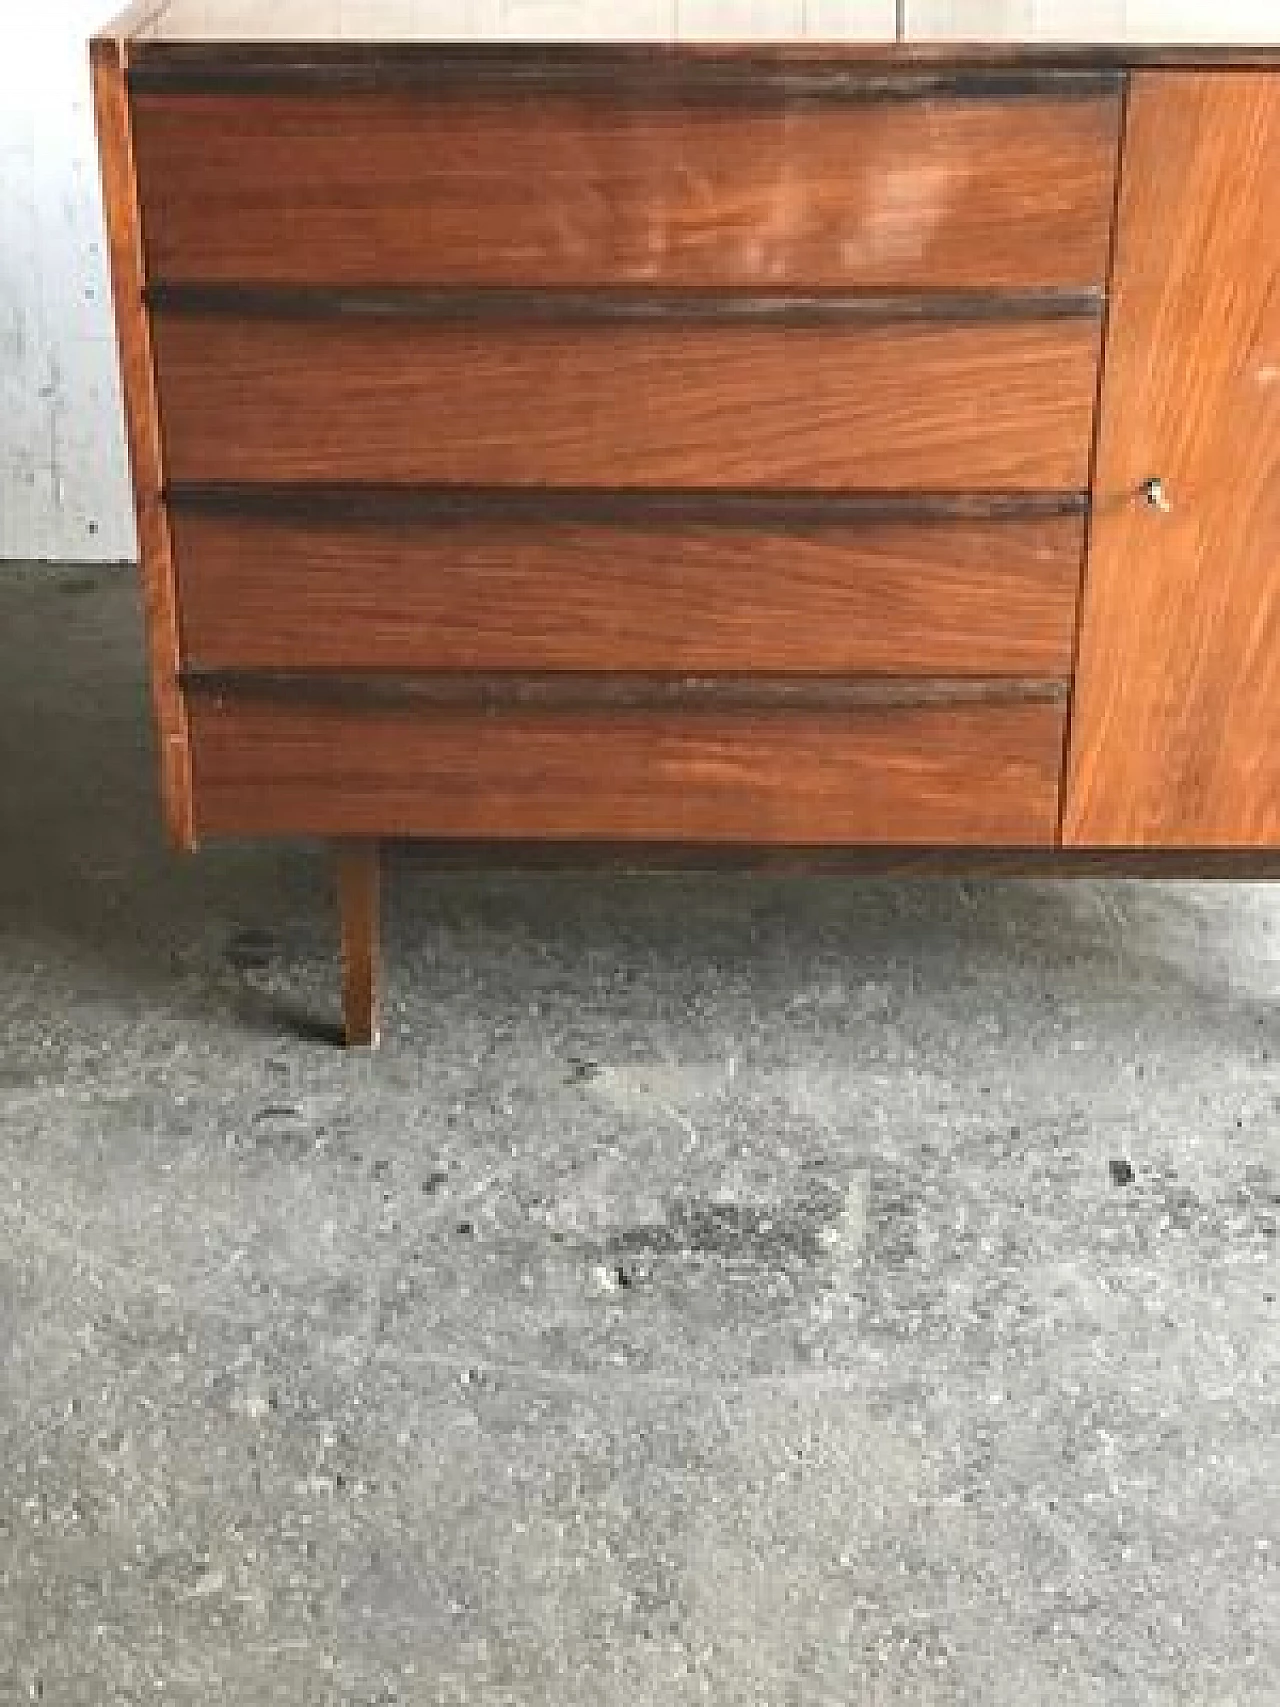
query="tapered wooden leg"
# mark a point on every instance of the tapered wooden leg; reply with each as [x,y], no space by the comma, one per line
[358,864]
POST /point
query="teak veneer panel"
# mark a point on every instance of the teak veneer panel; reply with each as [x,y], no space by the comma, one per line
[359,888]
[455,187]
[143,431]
[1176,727]
[987,406]
[979,774]
[970,597]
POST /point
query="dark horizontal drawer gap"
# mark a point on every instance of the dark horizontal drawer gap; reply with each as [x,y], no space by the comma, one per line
[588,692]
[632,304]
[883,860]
[646,73]
[394,505]
[627,305]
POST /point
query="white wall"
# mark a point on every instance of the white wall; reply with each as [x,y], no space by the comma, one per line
[63,473]
[1099,20]
[63,480]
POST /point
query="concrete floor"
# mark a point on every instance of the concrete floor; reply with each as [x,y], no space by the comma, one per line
[753,1291]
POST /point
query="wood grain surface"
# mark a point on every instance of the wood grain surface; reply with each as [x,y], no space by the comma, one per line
[950,774]
[359,909]
[1176,725]
[590,693]
[1001,407]
[458,188]
[124,251]
[963,598]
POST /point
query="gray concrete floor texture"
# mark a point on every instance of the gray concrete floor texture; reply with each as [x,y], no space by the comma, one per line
[772,1291]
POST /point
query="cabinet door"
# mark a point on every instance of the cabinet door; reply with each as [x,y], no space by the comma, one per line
[1176,723]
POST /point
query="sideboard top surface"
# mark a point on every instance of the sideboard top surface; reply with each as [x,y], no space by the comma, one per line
[180,33]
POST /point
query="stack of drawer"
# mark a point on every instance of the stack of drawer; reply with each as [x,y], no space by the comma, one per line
[688,450]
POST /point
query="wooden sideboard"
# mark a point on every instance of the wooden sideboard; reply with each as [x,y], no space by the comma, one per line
[690,449]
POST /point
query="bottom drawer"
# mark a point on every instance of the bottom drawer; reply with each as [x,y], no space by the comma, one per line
[972,774]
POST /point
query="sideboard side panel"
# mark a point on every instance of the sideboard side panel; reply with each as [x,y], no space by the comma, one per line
[124,242]
[1176,720]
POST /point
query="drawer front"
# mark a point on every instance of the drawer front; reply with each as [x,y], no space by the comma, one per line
[952,774]
[453,187]
[400,590]
[997,407]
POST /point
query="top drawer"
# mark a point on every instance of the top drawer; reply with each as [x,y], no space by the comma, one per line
[991,182]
